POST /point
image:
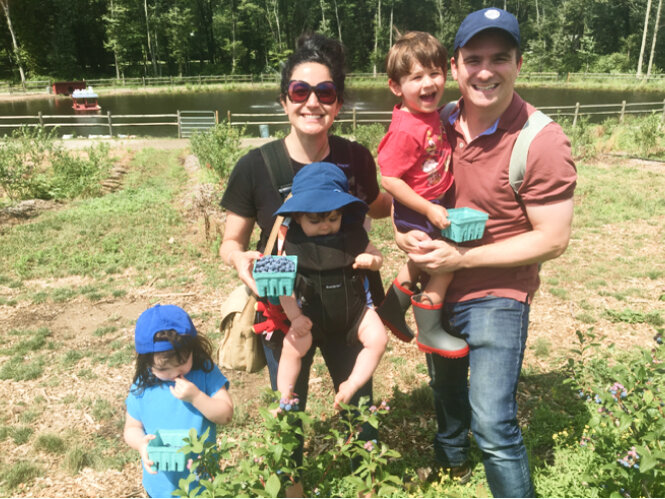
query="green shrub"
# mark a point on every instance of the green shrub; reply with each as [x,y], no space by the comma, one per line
[370,135]
[218,148]
[75,177]
[33,165]
[23,157]
[582,141]
[647,133]
[626,428]
[268,468]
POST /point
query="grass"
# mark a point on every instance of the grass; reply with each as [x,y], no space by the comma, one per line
[610,277]
[50,443]
[18,473]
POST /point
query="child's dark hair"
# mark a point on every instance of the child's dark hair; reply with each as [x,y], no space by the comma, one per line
[183,345]
[315,47]
[415,46]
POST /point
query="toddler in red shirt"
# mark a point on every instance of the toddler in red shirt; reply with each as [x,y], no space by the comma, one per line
[414,158]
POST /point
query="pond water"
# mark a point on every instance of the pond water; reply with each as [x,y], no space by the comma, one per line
[265,101]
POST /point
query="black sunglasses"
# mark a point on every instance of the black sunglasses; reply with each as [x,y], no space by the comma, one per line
[299,91]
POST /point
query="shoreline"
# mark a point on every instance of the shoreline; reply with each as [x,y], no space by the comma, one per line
[616,85]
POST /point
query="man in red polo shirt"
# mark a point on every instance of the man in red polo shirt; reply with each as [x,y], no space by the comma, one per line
[496,277]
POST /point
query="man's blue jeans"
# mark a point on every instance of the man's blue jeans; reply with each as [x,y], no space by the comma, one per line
[496,331]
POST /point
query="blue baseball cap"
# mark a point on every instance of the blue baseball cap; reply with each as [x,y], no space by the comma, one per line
[160,318]
[318,188]
[483,19]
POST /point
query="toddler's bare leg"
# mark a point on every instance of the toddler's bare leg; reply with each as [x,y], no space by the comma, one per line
[373,337]
[293,350]
[436,288]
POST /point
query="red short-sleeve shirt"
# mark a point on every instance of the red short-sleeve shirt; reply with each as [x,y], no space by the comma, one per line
[416,150]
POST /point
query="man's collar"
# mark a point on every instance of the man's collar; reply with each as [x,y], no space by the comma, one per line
[504,122]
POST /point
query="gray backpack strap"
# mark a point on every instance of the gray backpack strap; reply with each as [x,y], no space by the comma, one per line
[536,122]
[447,110]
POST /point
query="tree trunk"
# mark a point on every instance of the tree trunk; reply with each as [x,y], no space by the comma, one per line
[17,52]
[339,24]
[279,31]
[644,39]
[377,28]
[115,45]
[390,35]
[655,35]
[147,29]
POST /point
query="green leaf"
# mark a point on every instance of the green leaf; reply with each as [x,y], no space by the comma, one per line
[647,462]
[647,397]
[273,486]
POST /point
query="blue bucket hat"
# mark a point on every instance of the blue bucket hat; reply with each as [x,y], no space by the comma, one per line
[319,188]
[483,19]
[161,318]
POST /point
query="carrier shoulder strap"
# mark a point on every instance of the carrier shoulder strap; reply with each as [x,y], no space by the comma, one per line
[534,124]
[279,166]
[517,168]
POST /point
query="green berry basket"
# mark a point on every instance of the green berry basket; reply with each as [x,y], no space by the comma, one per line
[273,284]
[163,450]
[466,224]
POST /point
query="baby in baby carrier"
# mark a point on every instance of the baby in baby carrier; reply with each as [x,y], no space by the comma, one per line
[330,294]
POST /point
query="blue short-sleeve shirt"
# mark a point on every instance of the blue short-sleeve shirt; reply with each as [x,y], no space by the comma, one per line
[158,409]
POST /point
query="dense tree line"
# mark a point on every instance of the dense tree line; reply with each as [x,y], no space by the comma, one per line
[66,39]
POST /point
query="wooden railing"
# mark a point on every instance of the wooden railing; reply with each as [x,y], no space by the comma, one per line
[184,123]
[356,117]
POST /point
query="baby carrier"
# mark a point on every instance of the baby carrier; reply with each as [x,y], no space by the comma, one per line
[331,292]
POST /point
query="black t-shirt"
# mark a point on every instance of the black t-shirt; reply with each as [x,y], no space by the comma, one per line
[250,193]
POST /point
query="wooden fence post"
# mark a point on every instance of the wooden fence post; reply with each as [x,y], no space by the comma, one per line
[663,110]
[108,117]
[577,112]
[216,116]
[623,111]
[41,119]
[228,117]
[353,127]
[179,125]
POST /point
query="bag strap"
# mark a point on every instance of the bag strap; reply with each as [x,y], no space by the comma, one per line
[517,167]
[534,124]
[447,110]
[279,166]
[279,220]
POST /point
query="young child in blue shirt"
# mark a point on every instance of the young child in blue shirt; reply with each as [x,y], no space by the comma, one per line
[176,386]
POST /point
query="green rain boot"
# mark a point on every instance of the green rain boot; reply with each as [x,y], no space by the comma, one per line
[392,310]
[432,338]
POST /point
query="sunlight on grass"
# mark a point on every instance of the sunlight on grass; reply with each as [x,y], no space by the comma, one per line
[130,228]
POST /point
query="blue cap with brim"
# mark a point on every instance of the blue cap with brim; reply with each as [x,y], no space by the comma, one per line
[319,188]
[483,19]
[161,318]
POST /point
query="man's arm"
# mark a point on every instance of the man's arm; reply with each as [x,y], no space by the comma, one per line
[549,239]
